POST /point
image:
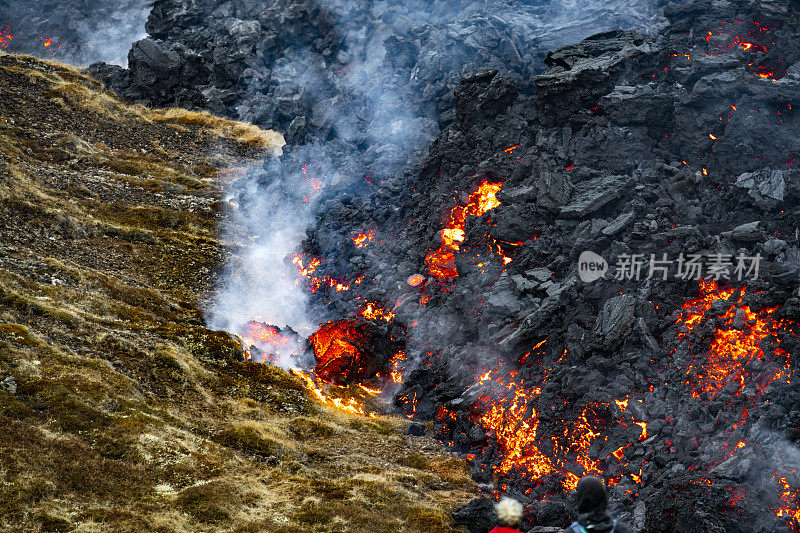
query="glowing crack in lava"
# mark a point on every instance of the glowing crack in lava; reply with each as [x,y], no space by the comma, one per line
[372,311]
[364,238]
[307,268]
[339,353]
[733,349]
[722,41]
[735,345]
[441,262]
[789,497]
[312,185]
[514,420]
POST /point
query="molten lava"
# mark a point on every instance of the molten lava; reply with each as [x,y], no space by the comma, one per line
[265,334]
[734,346]
[415,280]
[324,393]
[362,239]
[307,268]
[396,373]
[790,499]
[5,37]
[441,263]
[311,183]
[338,349]
[372,311]
[514,420]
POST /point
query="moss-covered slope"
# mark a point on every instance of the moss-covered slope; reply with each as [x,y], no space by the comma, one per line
[119,411]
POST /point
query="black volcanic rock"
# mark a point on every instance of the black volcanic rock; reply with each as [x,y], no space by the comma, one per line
[667,144]
[270,61]
[682,142]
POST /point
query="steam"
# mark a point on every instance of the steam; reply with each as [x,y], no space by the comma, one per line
[81,33]
[110,39]
[368,122]
[261,284]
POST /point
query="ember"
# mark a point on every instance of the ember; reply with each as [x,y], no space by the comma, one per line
[312,184]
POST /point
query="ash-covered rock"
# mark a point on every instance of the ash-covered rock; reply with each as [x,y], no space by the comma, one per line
[283,62]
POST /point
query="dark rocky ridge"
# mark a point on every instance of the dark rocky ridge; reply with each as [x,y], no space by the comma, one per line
[276,62]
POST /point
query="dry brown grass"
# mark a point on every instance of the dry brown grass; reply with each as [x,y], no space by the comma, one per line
[128,414]
[246,134]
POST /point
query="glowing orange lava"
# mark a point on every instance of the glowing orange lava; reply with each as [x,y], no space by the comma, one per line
[5,37]
[312,184]
[350,405]
[415,280]
[441,263]
[362,239]
[265,333]
[372,311]
[396,374]
[307,269]
[790,499]
[515,423]
[733,347]
[339,357]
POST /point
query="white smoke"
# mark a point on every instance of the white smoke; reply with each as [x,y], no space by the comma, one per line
[367,104]
[79,32]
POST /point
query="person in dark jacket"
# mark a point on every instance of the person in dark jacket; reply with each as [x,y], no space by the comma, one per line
[592,500]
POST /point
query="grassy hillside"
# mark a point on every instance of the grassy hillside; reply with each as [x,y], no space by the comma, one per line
[119,411]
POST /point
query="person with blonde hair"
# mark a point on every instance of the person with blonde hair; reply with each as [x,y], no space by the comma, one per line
[509,514]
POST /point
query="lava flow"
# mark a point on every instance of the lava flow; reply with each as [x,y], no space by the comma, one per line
[339,397]
[338,349]
[441,262]
[5,37]
[734,346]
[513,419]
[268,339]
[372,311]
[307,268]
[363,238]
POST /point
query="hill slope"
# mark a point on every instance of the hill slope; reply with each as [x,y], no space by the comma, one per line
[118,409]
